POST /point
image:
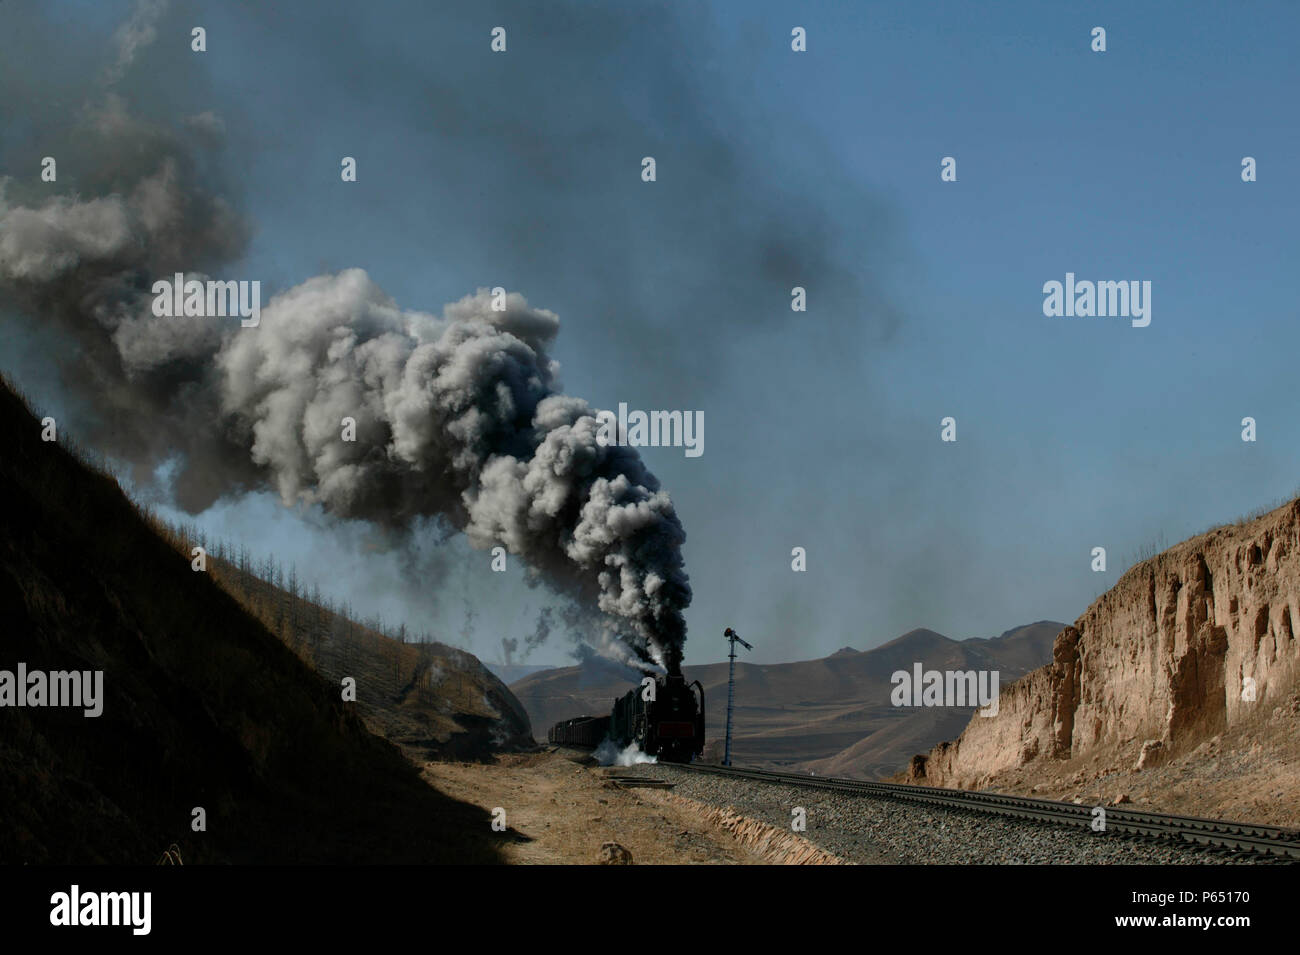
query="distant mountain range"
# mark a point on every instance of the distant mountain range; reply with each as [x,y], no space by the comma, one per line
[830,716]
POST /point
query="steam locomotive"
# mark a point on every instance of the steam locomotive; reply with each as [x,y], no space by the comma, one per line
[669,726]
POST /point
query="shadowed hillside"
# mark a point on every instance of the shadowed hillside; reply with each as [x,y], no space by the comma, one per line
[827,715]
[202,705]
[434,701]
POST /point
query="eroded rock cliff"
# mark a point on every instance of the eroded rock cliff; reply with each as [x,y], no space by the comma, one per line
[1193,643]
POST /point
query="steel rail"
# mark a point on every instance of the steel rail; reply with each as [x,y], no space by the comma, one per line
[1270,841]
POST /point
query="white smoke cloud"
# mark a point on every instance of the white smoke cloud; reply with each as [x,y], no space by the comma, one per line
[461,415]
[609,754]
[39,245]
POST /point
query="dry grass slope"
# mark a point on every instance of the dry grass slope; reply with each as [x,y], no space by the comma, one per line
[434,701]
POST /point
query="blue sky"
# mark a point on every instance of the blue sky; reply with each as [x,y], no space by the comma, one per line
[777,169]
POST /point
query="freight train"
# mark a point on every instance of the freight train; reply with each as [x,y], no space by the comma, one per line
[670,726]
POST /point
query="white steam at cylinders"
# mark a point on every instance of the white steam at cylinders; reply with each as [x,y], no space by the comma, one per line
[609,754]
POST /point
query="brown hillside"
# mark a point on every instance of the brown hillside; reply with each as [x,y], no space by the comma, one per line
[434,701]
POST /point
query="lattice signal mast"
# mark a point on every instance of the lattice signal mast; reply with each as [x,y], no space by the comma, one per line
[734,637]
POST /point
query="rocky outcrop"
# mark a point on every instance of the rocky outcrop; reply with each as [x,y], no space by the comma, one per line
[1196,640]
[612,853]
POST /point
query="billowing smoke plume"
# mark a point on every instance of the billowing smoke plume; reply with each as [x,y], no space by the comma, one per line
[545,621]
[509,646]
[458,416]
[140,30]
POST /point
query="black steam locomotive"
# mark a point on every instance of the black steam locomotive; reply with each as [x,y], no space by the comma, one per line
[671,726]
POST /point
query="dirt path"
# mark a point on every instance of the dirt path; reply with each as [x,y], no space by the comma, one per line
[559,812]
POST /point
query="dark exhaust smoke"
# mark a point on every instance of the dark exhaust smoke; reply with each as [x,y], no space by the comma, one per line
[458,416]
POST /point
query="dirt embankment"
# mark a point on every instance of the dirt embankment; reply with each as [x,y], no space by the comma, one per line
[1190,664]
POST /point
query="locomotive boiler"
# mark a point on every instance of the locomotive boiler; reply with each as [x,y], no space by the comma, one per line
[669,726]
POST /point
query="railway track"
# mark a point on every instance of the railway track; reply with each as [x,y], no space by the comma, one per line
[1269,841]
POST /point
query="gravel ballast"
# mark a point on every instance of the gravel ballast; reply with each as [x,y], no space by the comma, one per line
[873,830]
